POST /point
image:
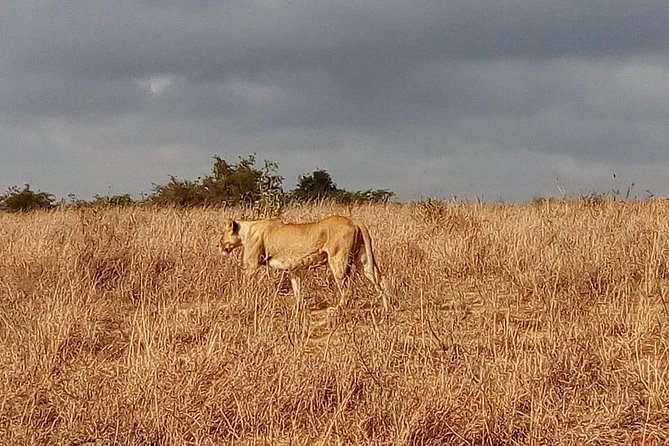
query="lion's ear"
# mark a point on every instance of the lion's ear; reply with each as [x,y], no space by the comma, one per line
[235,226]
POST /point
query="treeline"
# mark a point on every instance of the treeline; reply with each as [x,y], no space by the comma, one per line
[242,182]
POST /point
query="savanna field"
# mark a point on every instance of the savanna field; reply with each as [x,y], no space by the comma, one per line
[544,323]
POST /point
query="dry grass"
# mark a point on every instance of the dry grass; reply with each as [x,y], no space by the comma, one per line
[543,323]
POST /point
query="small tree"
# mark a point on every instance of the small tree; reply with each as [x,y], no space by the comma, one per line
[240,183]
[25,199]
[315,186]
[319,185]
[272,198]
[229,183]
[179,193]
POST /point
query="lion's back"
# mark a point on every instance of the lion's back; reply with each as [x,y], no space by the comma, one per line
[306,237]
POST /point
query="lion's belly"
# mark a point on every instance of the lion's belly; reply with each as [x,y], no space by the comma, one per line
[279,264]
[283,262]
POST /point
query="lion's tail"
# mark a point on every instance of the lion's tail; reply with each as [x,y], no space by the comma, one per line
[371,268]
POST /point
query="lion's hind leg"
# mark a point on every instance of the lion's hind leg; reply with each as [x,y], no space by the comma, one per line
[341,270]
[374,276]
[372,273]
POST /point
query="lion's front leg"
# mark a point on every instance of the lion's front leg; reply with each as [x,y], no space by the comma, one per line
[340,272]
[251,259]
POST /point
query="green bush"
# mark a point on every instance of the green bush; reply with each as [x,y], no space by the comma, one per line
[367,196]
[112,200]
[179,193]
[228,184]
[241,183]
[319,185]
[25,199]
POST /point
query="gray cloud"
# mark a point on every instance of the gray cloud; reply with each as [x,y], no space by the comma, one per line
[505,99]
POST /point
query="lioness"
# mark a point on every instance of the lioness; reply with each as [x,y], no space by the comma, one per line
[336,240]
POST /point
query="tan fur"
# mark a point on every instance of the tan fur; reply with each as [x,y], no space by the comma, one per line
[338,241]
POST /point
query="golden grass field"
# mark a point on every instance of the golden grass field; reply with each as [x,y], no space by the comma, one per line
[537,324]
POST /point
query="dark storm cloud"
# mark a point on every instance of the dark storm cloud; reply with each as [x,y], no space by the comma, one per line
[456,97]
[245,37]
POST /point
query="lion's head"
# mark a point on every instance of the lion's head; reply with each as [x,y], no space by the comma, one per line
[230,238]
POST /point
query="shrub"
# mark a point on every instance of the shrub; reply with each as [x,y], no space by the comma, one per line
[319,185]
[228,184]
[179,193]
[368,196]
[241,183]
[25,199]
[113,200]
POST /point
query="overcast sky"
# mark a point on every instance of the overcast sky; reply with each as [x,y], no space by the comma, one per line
[503,99]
